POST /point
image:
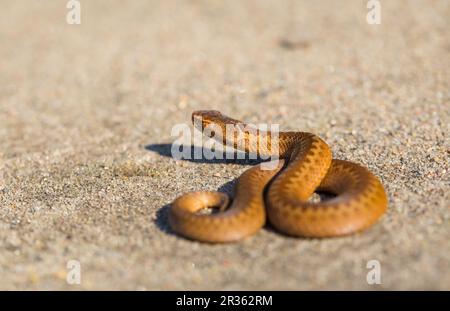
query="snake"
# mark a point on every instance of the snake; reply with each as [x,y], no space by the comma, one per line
[279,195]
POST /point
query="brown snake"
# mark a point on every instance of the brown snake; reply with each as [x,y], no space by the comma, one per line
[282,193]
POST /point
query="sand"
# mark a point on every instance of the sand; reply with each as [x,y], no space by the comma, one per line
[86,113]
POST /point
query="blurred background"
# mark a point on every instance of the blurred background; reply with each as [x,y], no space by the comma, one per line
[86,112]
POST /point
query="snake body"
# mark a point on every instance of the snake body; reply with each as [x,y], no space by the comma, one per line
[281,194]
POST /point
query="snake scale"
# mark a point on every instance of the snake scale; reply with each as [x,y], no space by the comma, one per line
[281,194]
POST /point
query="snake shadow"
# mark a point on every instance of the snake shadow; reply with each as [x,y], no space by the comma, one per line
[196,155]
[162,220]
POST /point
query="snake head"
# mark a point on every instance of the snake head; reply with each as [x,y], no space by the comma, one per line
[214,124]
[206,116]
[202,118]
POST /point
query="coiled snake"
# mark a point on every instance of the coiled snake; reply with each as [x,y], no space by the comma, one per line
[281,194]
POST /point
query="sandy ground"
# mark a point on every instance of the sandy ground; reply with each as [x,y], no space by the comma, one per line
[86,113]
